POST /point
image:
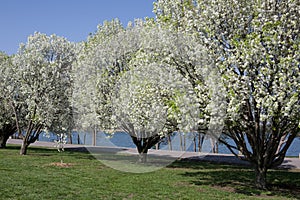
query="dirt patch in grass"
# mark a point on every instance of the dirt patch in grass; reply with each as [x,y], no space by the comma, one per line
[182,183]
[224,188]
[61,164]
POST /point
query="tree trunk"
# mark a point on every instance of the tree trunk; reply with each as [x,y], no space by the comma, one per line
[5,132]
[184,142]
[70,137]
[94,136]
[143,157]
[143,150]
[143,145]
[216,147]
[194,141]
[169,142]
[261,177]
[212,142]
[23,150]
[181,143]
[282,141]
[78,139]
[3,140]
[32,134]
[200,141]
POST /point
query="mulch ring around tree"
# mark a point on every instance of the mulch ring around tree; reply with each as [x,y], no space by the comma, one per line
[61,164]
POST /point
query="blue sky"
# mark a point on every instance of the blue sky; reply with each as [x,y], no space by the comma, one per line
[73,19]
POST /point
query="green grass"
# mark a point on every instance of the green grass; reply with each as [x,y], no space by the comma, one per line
[35,177]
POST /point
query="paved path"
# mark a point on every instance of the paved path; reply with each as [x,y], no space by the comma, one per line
[288,163]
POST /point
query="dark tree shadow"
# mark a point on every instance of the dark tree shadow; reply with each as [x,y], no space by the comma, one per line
[240,179]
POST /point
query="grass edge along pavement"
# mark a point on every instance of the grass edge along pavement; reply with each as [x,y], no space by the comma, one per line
[33,176]
[288,163]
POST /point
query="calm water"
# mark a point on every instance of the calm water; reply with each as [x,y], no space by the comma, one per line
[121,139]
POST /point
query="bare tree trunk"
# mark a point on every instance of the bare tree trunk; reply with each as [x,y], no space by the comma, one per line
[184,142]
[70,137]
[78,139]
[181,143]
[213,147]
[6,131]
[24,147]
[94,136]
[25,142]
[261,177]
[3,140]
[143,145]
[143,156]
[194,141]
[17,120]
[281,143]
[169,142]
[32,134]
[200,141]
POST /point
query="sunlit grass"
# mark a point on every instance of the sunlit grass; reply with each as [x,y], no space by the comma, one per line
[39,175]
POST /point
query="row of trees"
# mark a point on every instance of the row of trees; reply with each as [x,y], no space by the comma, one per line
[205,66]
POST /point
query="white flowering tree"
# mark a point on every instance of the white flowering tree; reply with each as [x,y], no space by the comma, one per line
[129,90]
[101,65]
[259,41]
[7,92]
[154,81]
[151,102]
[43,68]
[255,45]
[175,43]
[103,57]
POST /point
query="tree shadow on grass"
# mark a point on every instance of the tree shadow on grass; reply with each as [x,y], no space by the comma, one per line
[123,155]
[190,164]
[79,153]
[11,147]
[32,150]
[36,151]
[240,179]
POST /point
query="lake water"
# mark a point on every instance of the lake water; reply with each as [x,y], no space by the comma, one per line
[121,139]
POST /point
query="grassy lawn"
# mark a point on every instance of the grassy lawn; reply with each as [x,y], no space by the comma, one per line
[39,176]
